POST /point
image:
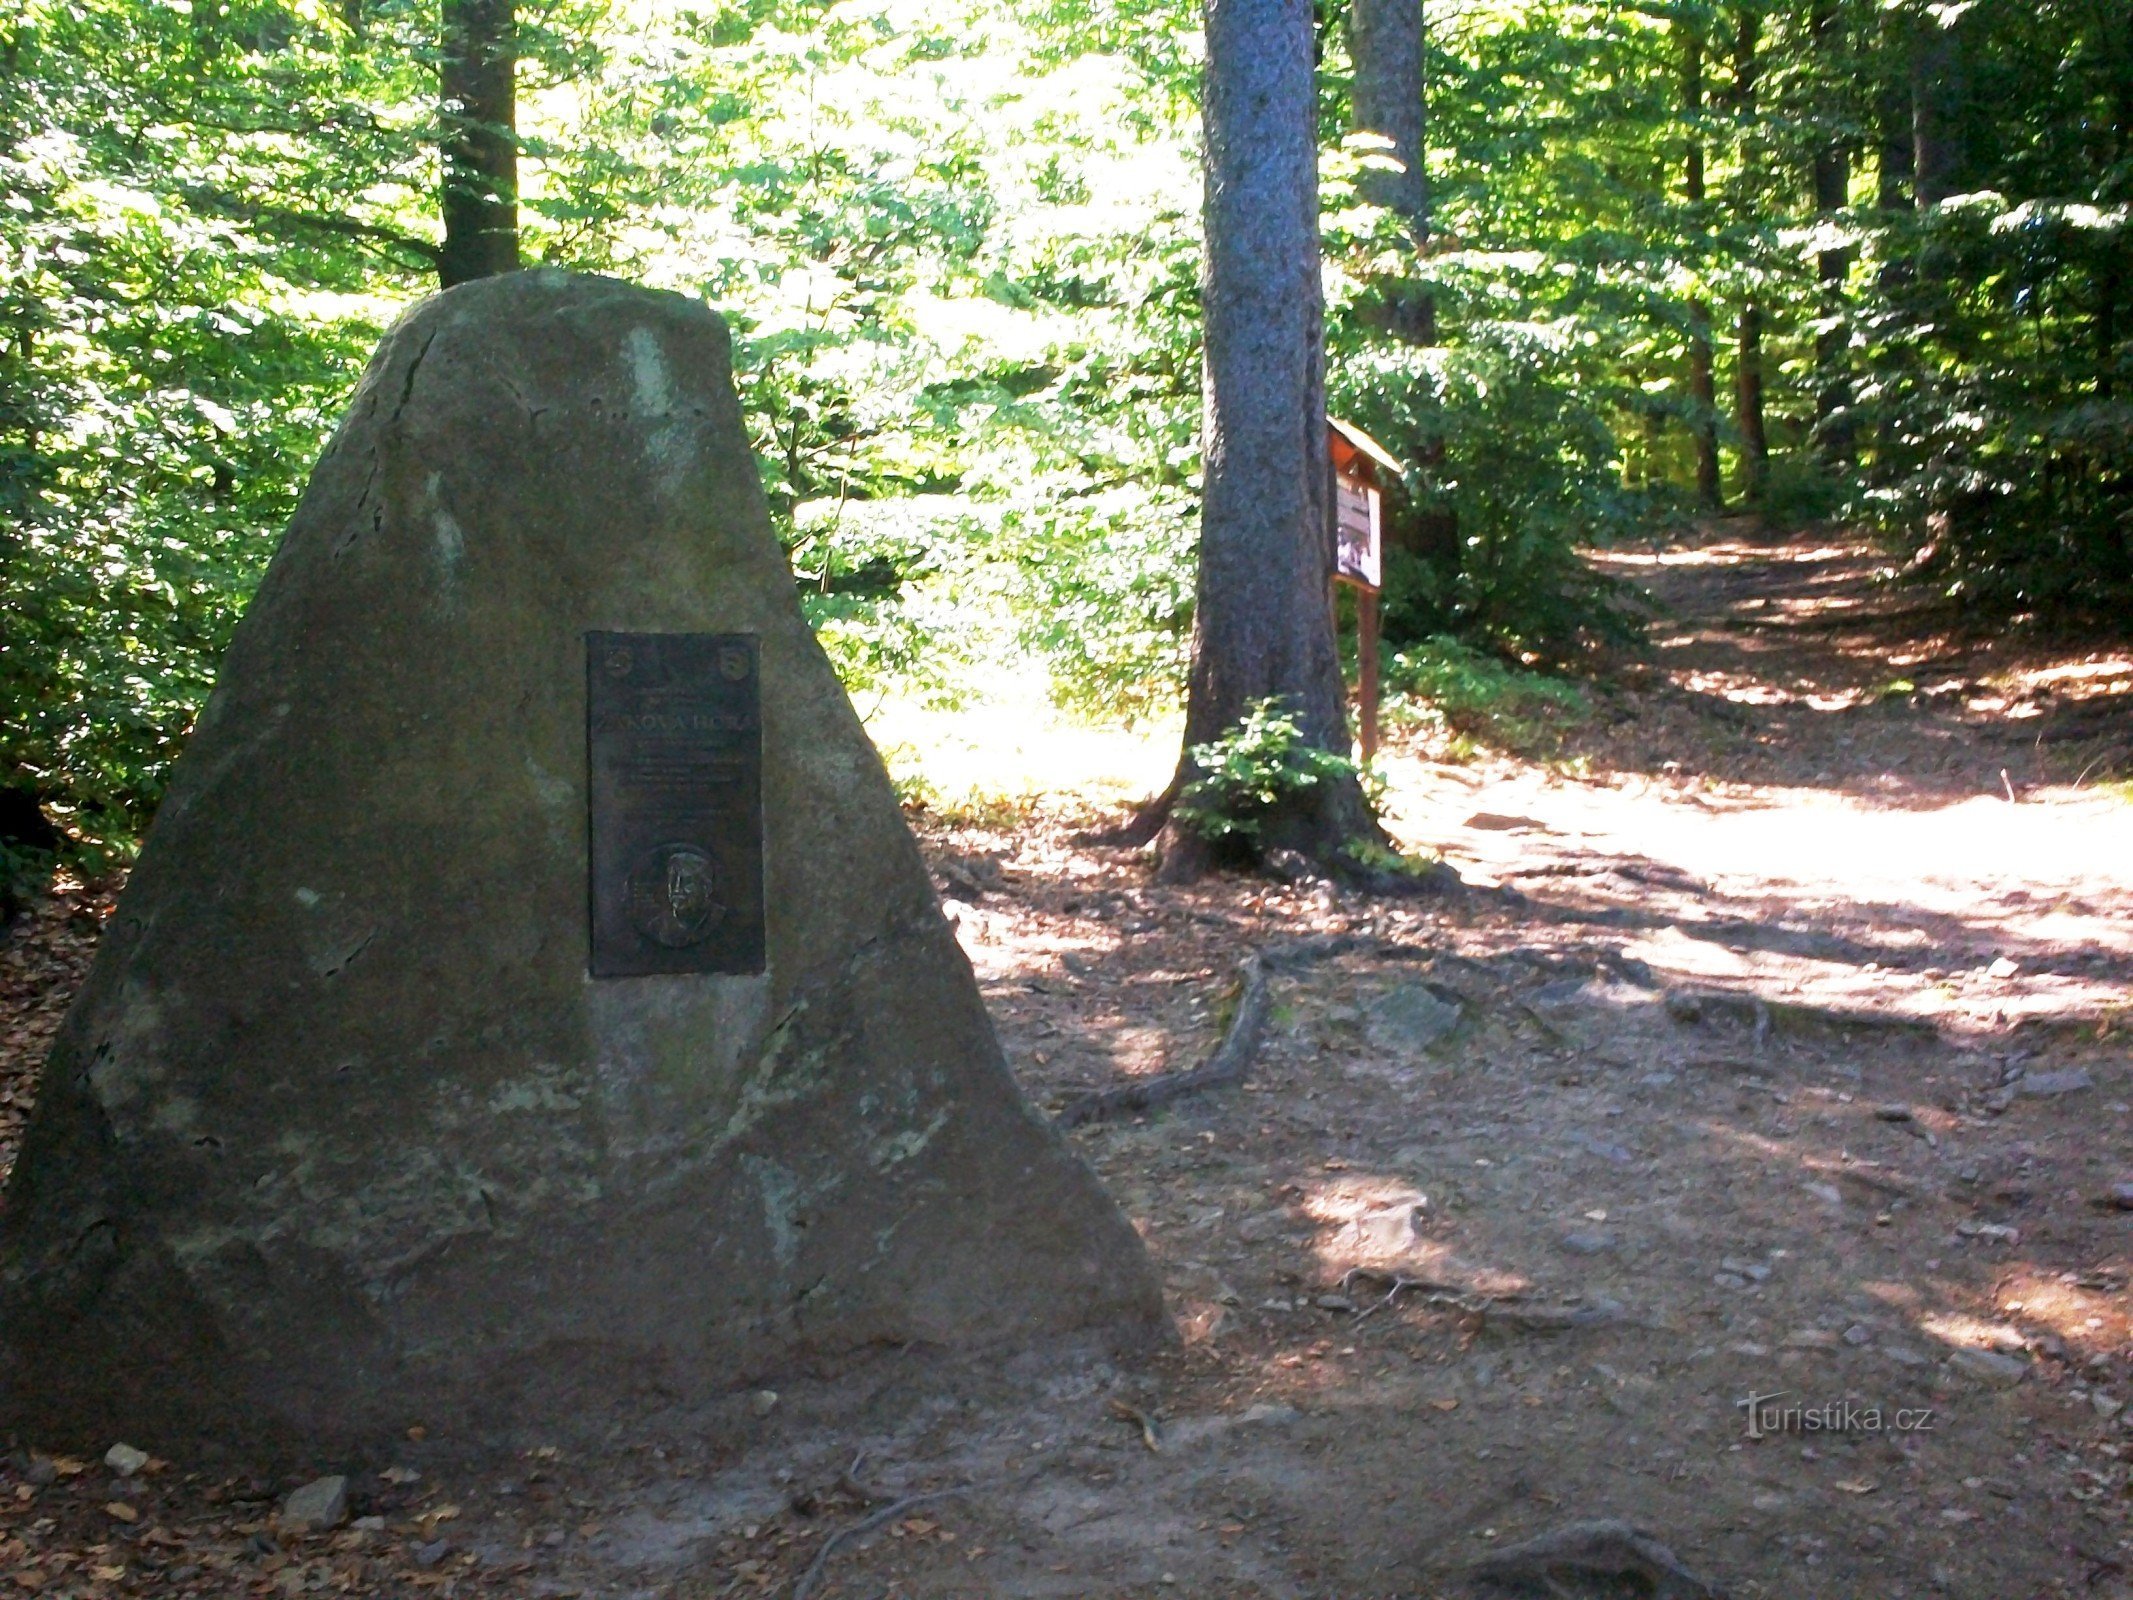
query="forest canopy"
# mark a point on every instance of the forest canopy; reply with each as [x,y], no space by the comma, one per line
[1810,258]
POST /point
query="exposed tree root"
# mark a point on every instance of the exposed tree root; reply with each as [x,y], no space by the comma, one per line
[1232,1058]
[1512,1311]
[1138,829]
[1183,856]
[1600,1548]
[1399,1283]
[1227,1065]
[1151,1434]
[812,1577]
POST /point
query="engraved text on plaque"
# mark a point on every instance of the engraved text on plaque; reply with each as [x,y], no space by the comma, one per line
[674,739]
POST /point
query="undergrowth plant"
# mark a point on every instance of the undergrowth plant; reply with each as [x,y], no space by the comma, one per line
[1477,699]
[1248,773]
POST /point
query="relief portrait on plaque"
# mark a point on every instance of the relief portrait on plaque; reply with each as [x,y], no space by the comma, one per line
[674,750]
[673,896]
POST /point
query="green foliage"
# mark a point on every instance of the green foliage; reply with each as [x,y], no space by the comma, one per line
[207,215]
[1243,777]
[1997,459]
[167,385]
[1519,469]
[959,248]
[961,266]
[1104,595]
[1378,860]
[1443,686]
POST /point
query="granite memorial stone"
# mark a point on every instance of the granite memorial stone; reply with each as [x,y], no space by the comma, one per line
[530,1006]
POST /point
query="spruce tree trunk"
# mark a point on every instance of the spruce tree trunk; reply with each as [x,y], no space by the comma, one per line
[1748,370]
[478,94]
[1385,43]
[1263,619]
[1703,391]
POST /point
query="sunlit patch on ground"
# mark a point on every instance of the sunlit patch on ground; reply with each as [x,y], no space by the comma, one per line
[1011,752]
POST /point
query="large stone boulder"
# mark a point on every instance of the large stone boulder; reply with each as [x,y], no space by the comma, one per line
[344,1134]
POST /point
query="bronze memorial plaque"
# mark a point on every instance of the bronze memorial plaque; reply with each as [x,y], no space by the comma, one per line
[674,744]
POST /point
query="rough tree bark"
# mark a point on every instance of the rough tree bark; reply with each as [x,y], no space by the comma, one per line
[1263,621]
[1385,43]
[1748,371]
[478,95]
[1703,393]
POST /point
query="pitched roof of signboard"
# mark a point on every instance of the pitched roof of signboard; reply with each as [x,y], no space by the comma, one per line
[1367,446]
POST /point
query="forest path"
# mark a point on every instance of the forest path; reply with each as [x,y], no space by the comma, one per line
[1772,1051]
[1818,784]
[1775,1050]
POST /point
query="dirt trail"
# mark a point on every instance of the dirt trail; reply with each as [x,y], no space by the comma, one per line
[1776,1052]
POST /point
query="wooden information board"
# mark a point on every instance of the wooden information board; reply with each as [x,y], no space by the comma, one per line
[1359,553]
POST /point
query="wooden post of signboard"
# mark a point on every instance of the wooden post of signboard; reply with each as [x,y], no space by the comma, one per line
[1358,558]
[1366,651]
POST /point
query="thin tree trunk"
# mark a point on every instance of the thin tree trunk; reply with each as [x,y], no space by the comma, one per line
[1939,90]
[1748,399]
[2111,270]
[1703,393]
[478,90]
[2109,287]
[1263,621]
[1832,194]
[1748,371]
[1389,95]
[1893,195]
[1385,43]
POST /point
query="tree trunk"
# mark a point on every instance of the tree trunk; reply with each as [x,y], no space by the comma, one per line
[1892,136]
[2109,287]
[1893,194]
[1263,618]
[1832,194]
[1385,43]
[2111,269]
[478,91]
[1703,393]
[1389,96]
[1748,398]
[1939,89]
[1748,371]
